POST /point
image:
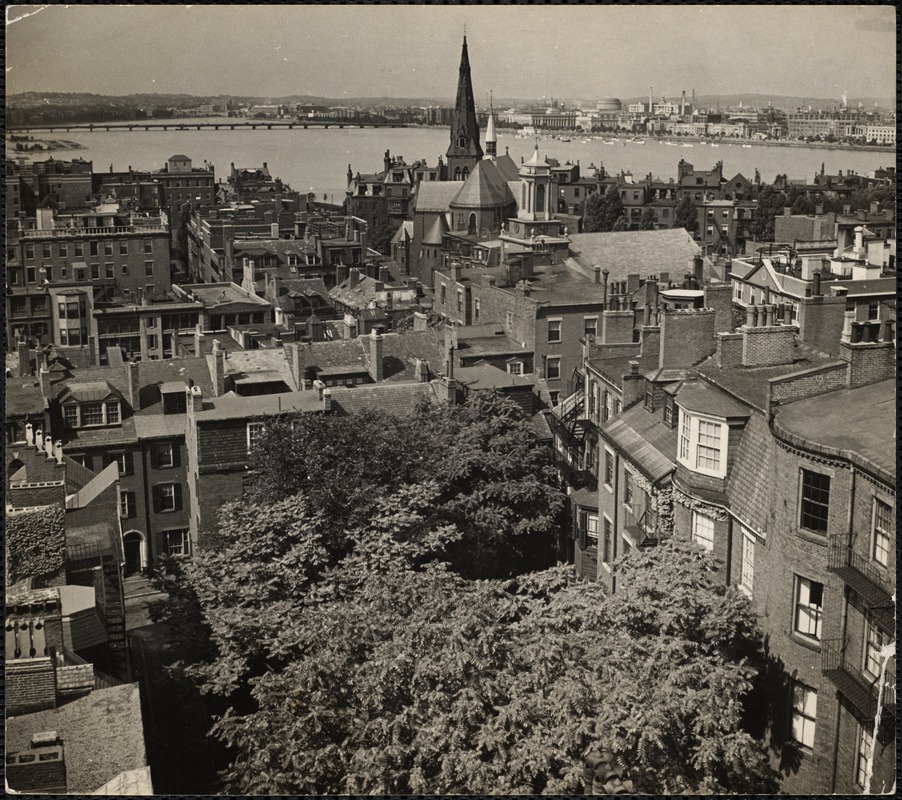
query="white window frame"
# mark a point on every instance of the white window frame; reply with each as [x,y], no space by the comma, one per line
[874,640]
[703,530]
[881,540]
[515,368]
[747,572]
[593,322]
[804,715]
[692,447]
[171,451]
[167,496]
[592,526]
[863,748]
[609,454]
[125,504]
[254,429]
[184,545]
[555,325]
[557,361]
[807,617]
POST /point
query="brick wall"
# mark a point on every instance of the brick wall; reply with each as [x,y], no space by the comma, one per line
[686,337]
[213,490]
[222,442]
[821,322]
[764,347]
[30,685]
[37,494]
[806,383]
[729,349]
[719,297]
[868,362]
[650,340]
[617,326]
[75,679]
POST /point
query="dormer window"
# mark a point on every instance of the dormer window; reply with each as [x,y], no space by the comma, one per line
[701,445]
[91,414]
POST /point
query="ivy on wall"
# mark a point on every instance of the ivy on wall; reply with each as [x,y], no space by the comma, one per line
[35,543]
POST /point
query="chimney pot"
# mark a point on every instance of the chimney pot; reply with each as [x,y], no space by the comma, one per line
[634,367]
[29,434]
[58,451]
[48,446]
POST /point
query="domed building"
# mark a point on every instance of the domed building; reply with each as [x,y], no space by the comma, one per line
[609,104]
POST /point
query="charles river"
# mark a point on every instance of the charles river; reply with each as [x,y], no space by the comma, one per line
[317,159]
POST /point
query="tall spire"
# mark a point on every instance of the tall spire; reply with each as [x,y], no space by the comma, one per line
[491,139]
[464,150]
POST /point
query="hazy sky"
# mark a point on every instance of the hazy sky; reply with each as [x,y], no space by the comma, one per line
[577,52]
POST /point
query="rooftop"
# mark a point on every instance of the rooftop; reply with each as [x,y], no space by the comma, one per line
[859,424]
[628,252]
[644,438]
[102,734]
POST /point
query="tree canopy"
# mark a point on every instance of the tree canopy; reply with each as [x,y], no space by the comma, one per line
[647,223]
[603,211]
[686,215]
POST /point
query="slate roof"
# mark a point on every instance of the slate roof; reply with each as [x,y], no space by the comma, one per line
[750,482]
[616,366]
[232,406]
[87,391]
[489,377]
[102,734]
[23,397]
[644,439]
[436,230]
[404,232]
[508,168]
[436,195]
[394,398]
[627,252]
[699,397]
[858,424]
[484,188]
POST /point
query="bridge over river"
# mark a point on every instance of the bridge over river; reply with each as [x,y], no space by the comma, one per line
[199,126]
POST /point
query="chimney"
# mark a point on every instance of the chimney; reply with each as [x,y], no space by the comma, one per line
[353,277]
[327,399]
[818,210]
[48,446]
[454,271]
[816,284]
[134,385]
[341,274]
[698,271]
[859,239]
[274,230]
[40,769]
[848,321]
[320,387]
[218,369]
[787,211]
[421,370]
[44,376]
[847,208]
[24,354]
[195,398]
[596,274]
[634,367]
[384,274]
[376,356]
[751,312]
[200,341]
[29,434]
[420,321]
[58,451]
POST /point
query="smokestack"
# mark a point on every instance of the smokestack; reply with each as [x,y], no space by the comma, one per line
[816,284]
[58,451]
[134,386]
[24,356]
[683,103]
[218,369]
[29,434]
[649,99]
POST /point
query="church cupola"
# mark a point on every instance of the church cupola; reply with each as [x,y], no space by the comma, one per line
[536,189]
[464,151]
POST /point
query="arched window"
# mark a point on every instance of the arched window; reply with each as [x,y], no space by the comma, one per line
[465,174]
[471,227]
[457,173]
[540,197]
[462,141]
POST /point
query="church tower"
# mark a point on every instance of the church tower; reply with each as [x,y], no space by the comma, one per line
[465,150]
[491,138]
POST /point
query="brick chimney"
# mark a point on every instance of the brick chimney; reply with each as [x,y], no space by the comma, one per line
[341,274]
[23,353]
[44,378]
[41,769]
[200,341]
[820,322]
[687,337]
[354,278]
[650,342]
[870,360]
[719,297]
[327,399]
[134,385]
[218,375]
[420,321]
[616,327]
[376,356]
[767,343]
[293,354]
[195,398]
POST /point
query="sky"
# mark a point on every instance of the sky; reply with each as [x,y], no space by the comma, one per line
[571,52]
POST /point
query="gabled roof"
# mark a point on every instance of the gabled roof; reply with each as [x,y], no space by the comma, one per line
[436,195]
[484,188]
[436,230]
[642,252]
[88,391]
[508,168]
[644,440]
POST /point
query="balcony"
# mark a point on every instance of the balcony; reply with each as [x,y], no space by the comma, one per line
[111,230]
[859,689]
[863,578]
[640,526]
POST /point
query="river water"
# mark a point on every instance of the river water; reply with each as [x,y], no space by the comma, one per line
[316,159]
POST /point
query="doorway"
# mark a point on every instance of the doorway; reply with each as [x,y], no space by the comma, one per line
[134,548]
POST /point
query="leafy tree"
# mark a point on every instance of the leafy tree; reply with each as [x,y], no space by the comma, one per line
[803,204]
[386,673]
[770,203]
[380,237]
[603,211]
[648,220]
[686,215]
[593,216]
[613,210]
[621,224]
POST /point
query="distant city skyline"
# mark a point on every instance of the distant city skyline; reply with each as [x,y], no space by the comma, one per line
[575,52]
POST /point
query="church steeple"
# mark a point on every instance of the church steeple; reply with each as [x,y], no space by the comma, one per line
[491,138]
[465,150]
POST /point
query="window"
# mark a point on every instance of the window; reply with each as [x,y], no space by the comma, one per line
[804,714]
[92,413]
[148,246]
[883,530]
[554,330]
[442,293]
[668,412]
[590,326]
[169,496]
[64,251]
[863,754]
[815,501]
[460,301]
[553,367]
[607,550]
[46,251]
[627,487]
[708,445]
[703,530]
[515,368]
[176,542]
[109,270]
[608,469]
[554,397]
[29,252]
[108,248]
[476,308]
[872,311]
[121,460]
[79,249]
[254,429]
[165,452]
[685,430]
[809,603]
[148,269]
[874,642]
[126,504]
[70,414]
[747,579]
[591,523]
[30,275]
[123,248]
[508,321]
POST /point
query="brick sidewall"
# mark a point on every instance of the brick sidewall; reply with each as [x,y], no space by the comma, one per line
[809,383]
[869,363]
[30,686]
[686,337]
[764,347]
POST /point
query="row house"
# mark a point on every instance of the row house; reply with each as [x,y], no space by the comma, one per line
[768,453]
[358,294]
[64,185]
[62,262]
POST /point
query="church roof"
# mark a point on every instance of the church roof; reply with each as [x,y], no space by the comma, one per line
[484,188]
[508,168]
[436,195]
[436,230]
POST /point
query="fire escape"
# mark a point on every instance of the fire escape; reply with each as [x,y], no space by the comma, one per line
[640,526]
[570,426]
[842,667]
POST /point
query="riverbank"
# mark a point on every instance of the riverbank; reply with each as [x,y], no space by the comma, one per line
[35,147]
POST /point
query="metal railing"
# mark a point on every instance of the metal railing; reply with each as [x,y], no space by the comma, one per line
[111,230]
[860,689]
[859,573]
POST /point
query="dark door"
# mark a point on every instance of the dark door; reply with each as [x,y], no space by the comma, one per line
[132,546]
